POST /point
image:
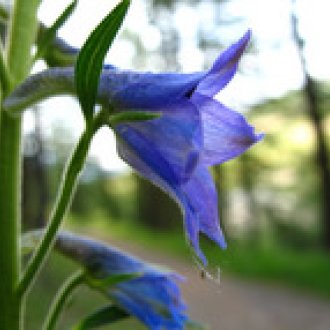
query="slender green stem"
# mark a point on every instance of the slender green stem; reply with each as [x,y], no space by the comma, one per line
[61,298]
[63,201]
[65,194]
[21,34]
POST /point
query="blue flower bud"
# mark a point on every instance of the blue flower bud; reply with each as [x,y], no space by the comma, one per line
[152,296]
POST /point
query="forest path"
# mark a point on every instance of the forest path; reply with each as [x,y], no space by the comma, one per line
[234,304]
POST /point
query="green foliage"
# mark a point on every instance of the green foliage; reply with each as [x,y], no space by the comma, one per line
[90,59]
[103,316]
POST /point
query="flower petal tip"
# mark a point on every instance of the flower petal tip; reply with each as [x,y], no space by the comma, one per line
[247,35]
[221,242]
[242,43]
[198,256]
[218,238]
[259,137]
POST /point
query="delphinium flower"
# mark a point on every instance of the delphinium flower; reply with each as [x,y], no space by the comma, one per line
[152,295]
[193,132]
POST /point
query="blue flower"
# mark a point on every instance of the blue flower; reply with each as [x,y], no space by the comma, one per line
[194,132]
[153,296]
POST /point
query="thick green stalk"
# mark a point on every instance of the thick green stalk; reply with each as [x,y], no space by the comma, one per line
[61,298]
[20,39]
[9,222]
[65,195]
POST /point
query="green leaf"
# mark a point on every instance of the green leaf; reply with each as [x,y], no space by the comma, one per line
[49,34]
[90,59]
[128,116]
[101,317]
[110,280]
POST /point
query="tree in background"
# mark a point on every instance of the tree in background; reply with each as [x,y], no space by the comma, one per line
[154,208]
[35,187]
[312,103]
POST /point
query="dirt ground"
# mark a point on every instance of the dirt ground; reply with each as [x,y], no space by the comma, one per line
[232,304]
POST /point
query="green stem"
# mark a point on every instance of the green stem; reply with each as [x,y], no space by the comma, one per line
[63,201]
[21,35]
[61,298]
[4,73]
[9,221]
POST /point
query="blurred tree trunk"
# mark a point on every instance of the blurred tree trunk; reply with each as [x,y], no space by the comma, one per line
[322,158]
[155,209]
[35,190]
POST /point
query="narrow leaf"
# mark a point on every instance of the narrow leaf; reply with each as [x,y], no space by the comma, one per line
[101,317]
[130,116]
[49,34]
[110,280]
[90,59]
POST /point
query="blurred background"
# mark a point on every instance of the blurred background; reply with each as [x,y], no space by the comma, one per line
[274,200]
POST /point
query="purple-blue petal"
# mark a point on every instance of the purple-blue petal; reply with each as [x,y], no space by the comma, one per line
[226,133]
[168,146]
[201,193]
[223,68]
[197,198]
[132,90]
[173,189]
[153,298]
[154,316]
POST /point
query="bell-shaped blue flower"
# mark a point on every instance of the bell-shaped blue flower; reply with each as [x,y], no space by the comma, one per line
[194,132]
[152,296]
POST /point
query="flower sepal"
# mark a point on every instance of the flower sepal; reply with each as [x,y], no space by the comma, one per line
[131,116]
[110,281]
